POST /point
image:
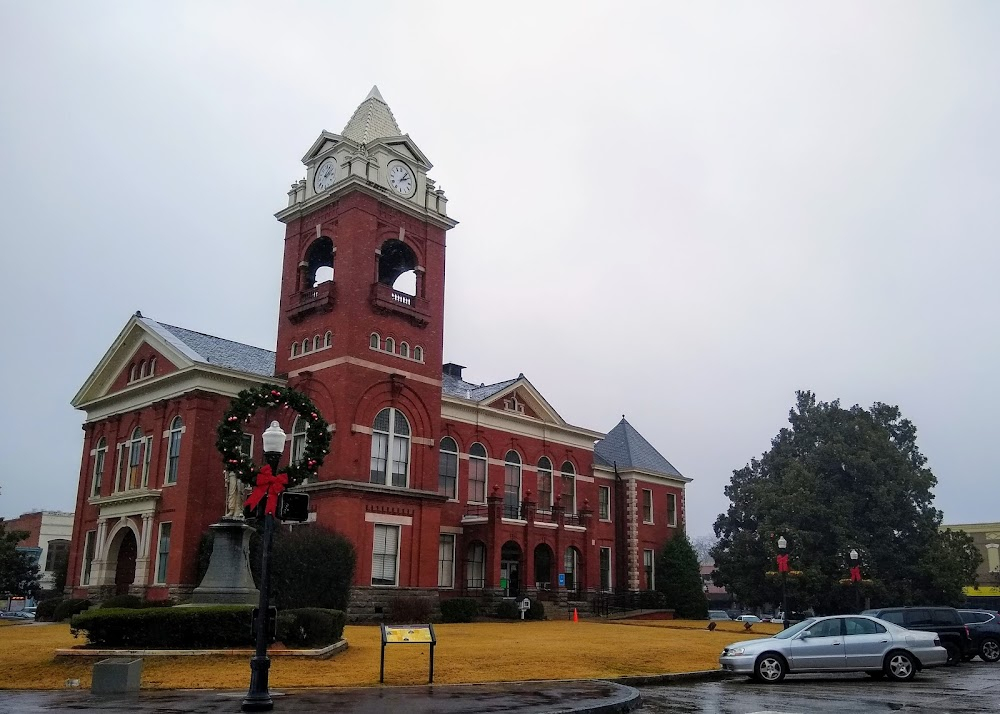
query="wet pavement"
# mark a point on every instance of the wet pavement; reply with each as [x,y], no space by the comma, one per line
[970,688]
[525,698]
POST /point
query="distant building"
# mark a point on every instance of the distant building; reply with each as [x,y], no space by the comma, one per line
[49,534]
[718,598]
[986,536]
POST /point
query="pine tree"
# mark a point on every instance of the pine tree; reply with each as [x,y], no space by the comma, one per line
[678,577]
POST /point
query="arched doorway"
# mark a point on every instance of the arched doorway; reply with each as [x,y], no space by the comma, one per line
[543,567]
[125,562]
[510,569]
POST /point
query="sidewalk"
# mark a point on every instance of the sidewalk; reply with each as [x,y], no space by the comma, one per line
[583,697]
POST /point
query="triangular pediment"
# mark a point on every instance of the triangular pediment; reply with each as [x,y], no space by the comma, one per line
[523,399]
[136,345]
[324,143]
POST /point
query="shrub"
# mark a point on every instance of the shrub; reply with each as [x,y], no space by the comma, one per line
[122,601]
[310,627]
[409,609]
[459,609]
[652,600]
[46,609]
[507,610]
[68,608]
[535,612]
[168,628]
[312,567]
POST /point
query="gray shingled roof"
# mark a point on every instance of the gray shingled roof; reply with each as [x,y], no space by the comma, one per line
[455,387]
[627,448]
[372,120]
[208,349]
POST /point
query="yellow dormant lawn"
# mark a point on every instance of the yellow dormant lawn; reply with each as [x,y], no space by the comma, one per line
[481,652]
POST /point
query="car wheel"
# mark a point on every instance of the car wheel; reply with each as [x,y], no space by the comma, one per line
[900,666]
[954,654]
[770,668]
[989,650]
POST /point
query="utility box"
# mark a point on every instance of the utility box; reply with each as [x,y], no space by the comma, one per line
[118,675]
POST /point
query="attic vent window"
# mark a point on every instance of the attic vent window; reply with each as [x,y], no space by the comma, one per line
[513,405]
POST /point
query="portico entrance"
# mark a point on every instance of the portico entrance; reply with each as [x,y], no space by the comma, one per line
[125,562]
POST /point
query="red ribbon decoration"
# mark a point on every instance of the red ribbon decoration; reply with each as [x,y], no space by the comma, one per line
[856,574]
[782,563]
[267,485]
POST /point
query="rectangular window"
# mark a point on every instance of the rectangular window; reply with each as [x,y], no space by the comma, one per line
[135,463]
[671,510]
[385,554]
[446,561]
[162,553]
[380,456]
[448,474]
[475,566]
[647,564]
[400,460]
[147,447]
[173,456]
[89,542]
[512,491]
[246,445]
[477,480]
[98,472]
[568,492]
[122,466]
[647,506]
[604,503]
[544,490]
[606,569]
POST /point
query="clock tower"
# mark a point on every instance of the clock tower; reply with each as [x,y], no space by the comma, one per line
[361,325]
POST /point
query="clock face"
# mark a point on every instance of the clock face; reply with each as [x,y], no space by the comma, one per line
[401,179]
[325,175]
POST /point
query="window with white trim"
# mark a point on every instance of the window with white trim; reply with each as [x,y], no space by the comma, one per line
[295,349]
[567,477]
[448,468]
[299,427]
[100,457]
[152,366]
[132,372]
[477,473]
[142,369]
[133,462]
[328,339]
[544,484]
[605,567]
[246,445]
[418,353]
[306,344]
[604,503]
[475,565]
[390,345]
[404,349]
[316,343]
[385,555]
[89,543]
[672,510]
[390,448]
[174,449]
[446,561]
[647,505]
[648,565]
[512,485]
[375,342]
[162,554]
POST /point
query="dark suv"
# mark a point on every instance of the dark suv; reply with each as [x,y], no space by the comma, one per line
[985,628]
[954,633]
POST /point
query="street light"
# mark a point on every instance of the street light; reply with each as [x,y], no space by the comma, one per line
[258,698]
[857,580]
[782,550]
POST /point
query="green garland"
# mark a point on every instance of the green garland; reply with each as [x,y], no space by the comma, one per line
[244,406]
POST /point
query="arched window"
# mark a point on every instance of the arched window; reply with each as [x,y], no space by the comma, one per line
[512,485]
[319,263]
[418,353]
[448,468]
[295,349]
[298,439]
[306,344]
[404,349]
[390,345]
[132,372]
[142,369]
[397,265]
[174,449]
[100,457]
[136,452]
[152,365]
[475,565]
[544,484]
[568,478]
[375,342]
[477,473]
[390,458]
[328,339]
[316,343]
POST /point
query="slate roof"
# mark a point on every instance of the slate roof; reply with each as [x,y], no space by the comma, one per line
[455,387]
[627,448]
[372,120]
[208,349]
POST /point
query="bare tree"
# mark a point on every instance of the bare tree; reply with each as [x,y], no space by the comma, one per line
[703,546]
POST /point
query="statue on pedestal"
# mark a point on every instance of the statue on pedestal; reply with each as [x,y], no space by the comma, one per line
[235,496]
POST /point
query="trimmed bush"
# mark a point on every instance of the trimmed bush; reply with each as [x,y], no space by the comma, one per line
[122,601]
[535,612]
[311,567]
[459,609]
[652,600]
[167,628]
[310,627]
[68,608]
[409,609]
[46,609]
[507,610]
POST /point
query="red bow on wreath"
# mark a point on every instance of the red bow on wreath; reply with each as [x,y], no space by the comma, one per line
[856,574]
[782,563]
[267,485]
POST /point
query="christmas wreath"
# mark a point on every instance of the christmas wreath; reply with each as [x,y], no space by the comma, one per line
[244,406]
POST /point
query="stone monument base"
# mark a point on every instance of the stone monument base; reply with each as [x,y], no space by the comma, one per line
[228,580]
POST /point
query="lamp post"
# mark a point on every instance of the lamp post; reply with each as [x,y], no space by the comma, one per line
[783,550]
[857,580]
[258,699]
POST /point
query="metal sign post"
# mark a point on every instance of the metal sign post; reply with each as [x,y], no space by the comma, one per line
[524,606]
[407,635]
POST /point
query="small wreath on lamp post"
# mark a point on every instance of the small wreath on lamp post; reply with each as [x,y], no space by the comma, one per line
[244,406]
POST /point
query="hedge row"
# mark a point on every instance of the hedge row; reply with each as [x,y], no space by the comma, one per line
[169,628]
[310,627]
[459,609]
[68,608]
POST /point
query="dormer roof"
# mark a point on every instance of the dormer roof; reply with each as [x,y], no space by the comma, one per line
[626,448]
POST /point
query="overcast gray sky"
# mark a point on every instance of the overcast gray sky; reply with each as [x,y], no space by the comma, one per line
[682,212]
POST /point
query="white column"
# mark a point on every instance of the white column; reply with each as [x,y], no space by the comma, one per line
[142,556]
[993,557]
[98,568]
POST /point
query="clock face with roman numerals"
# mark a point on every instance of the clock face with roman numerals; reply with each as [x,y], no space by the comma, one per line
[401,179]
[325,175]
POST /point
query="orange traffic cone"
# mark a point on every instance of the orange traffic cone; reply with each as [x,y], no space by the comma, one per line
[575,616]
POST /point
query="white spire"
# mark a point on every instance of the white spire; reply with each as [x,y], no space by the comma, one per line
[372,120]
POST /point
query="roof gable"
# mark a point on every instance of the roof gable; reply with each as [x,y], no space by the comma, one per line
[502,396]
[626,448]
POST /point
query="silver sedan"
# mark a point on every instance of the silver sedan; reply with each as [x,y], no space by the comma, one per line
[843,643]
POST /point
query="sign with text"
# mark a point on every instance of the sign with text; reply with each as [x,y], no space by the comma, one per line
[562,580]
[407,635]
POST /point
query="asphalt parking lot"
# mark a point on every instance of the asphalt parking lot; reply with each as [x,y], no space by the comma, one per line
[970,688]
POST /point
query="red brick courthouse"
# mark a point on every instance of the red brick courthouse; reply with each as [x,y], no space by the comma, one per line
[444,484]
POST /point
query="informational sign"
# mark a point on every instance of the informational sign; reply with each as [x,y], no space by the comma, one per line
[503,583]
[982,591]
[562,580]
[407,635]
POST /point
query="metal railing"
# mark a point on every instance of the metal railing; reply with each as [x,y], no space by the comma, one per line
[605,604]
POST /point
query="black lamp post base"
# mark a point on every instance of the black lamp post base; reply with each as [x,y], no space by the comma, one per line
[258,699]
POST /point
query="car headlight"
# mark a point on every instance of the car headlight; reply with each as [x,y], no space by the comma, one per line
[735,651]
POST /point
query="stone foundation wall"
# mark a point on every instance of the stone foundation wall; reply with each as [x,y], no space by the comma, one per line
[374,605]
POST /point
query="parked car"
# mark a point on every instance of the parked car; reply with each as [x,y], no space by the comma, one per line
[748,618]
[984,626]
[718,615]
[945,621]
[841,643]
[17,615]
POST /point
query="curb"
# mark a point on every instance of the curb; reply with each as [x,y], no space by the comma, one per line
[651,680]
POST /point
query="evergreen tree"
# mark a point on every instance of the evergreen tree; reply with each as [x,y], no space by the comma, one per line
[678,577]
[312,567]
[18,570]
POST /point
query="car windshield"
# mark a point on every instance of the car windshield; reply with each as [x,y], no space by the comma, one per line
[794,629]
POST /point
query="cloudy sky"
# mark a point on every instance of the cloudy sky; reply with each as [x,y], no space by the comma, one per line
[682,212]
